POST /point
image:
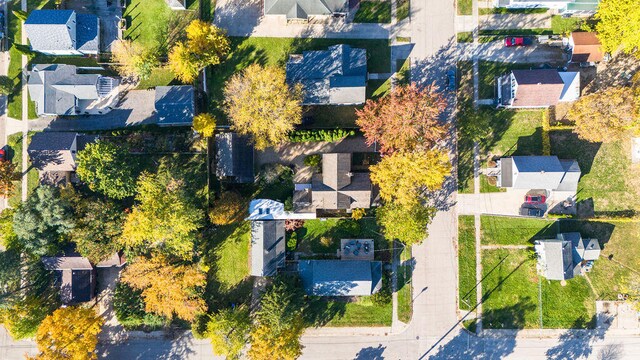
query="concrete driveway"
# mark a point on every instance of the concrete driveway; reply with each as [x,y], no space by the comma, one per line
[504,203]
[245,18]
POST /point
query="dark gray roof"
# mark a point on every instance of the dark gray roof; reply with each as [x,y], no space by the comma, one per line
[539,172]
[234,157]
[53,151]
[340,277]
[74,275]
[175,105]
[301,9]
[62,31]
[334,76]
[57,88]
[268,245]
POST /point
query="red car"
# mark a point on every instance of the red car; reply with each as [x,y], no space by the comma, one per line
[3,155]
[517,41]
[535,199]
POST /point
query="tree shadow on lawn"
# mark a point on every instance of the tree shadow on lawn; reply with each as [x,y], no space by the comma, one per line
[588,229]
[567,145]
[322,310]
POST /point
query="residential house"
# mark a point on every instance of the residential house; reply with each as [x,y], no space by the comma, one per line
[539,88]
[538,172]
[336,188]
[585,47]
[53,154]
[177,4]
[268,242]
[234,158]
[63,32]
[58,89]
[306,10]
[337,76]
[76,277]
[340,277]
[175,105]
[568,7]
[566,256]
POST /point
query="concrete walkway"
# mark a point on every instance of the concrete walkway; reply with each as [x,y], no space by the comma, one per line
[245,18]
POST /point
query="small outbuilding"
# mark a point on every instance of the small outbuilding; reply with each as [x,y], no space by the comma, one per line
[234,158]
[175,105]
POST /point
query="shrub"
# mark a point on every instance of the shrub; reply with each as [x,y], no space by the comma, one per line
[129,308]
[383,296]
[358,214]
[199,326]
[228,209]
[292,242]
[314,160]
[320,135]
[274,173]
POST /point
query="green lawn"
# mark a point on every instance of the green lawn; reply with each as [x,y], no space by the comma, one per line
[464,37]
[486,187]
[404,294]
[501,230]
[503,10]
[578,313]
[466,262]
[14,147]
[465,7]
[276,51]
[403,9]
[323,236]
[565,25]
[378,11]
[360,313]
[609,184]
[514,132]
[466,127]
[159,77]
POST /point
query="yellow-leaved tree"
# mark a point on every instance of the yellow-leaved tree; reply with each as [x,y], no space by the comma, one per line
[261,104]
[606,115]
[165,217]
[618,25]
[204,124]
[69,333]
[402,177]
[133,59]
[167,289]
[206,45]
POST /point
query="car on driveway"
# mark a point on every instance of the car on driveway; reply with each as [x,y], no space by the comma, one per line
[517,41]
[535,199]
[531,211]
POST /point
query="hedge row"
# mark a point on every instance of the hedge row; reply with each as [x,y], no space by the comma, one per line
[320,135]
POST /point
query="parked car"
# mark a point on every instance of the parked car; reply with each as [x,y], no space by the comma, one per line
[451,80]
[531,211]
[517,41]
[535,199]
[3,155]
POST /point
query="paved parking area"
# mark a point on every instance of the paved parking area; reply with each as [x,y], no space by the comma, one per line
[503,203]
[245,18]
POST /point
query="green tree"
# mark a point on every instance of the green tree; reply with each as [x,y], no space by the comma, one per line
[98,225]
[7,235]
[407,223]
[278,322]
[618,25]
[108,169]
[228,330]
[605,116]
[206,45]
[165,217]
[403,177]
[261,104]
[42,222]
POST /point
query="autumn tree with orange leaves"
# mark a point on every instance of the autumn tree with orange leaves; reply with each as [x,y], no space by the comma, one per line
[407,119]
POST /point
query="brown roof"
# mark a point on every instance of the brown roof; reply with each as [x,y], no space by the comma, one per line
[336,170]
[337,187]
[53,151]
[537,88]
[586,48]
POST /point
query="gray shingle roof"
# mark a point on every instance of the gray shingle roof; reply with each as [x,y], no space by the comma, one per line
[561,258]
[62,31]
[53,151]
[175,105]
[300,9]
[539,172]
[234,157]
[334,76]
[340,277]
[267,247]
[56,88]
